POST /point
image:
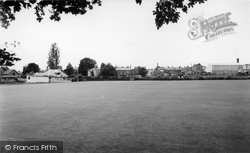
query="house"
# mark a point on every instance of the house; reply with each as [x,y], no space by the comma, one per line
[94,72]
[175,70]
[168,71]
[187,70]
[123,71]
[36,78]
[49,76]
[7,74]
[157,72]
[195,70]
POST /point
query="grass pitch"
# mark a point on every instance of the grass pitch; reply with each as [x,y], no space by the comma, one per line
[130,116]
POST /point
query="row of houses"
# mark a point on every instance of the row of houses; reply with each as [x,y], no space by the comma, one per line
[198,69]
[121,71]
[195,70]
[49,76]
[157,72]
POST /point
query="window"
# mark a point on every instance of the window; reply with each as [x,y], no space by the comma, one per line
[28,78]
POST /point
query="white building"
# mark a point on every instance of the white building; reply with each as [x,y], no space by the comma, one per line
[123,71]
[224,68]
[50,76]
[94,72]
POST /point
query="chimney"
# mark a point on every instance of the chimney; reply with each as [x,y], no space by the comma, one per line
[238,60]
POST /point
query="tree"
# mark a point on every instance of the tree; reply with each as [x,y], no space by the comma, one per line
[102,65]
[9,8]
[31,67]
[53,59]
[142,71]
[165,11]
[108,70]
[169,10]
[69,70]
[7,58]
[86,64]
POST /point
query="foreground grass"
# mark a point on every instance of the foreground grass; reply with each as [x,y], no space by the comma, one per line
[197,116]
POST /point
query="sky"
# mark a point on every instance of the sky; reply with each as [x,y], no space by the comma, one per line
[124,34]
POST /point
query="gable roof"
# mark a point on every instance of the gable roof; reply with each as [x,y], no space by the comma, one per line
[9,72]
[55,73]
[37,74]
[30,73]
[3,69]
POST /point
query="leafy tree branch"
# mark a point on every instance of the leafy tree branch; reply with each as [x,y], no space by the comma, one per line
[166,11]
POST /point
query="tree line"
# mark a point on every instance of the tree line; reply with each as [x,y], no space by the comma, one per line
[84,65]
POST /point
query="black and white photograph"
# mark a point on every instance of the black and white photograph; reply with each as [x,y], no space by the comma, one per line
[124,76]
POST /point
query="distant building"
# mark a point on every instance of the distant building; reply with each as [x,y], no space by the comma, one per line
[229,69]
[7,74]
[94,72]
[175,70]
[196,69]
[157,72]
[50,76]
[123,71]
[168,71]
[245,69]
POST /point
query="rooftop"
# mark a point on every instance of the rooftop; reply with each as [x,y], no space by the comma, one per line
[7,72]
[123,68]
[51,73]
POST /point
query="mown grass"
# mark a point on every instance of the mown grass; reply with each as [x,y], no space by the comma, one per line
[130,116]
